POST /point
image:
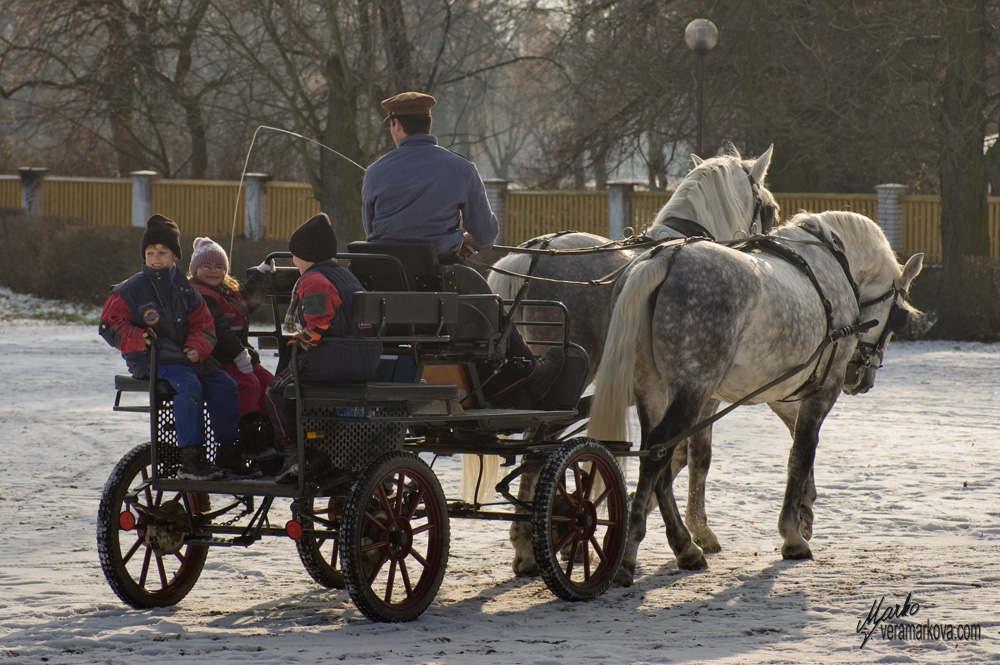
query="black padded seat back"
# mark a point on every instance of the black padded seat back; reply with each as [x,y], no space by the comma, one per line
[480,317]
[418,262]
[464,279]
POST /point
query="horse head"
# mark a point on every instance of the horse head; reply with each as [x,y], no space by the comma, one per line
[883,287]
[722,197]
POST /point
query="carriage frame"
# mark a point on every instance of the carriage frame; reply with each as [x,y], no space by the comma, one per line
[367,511]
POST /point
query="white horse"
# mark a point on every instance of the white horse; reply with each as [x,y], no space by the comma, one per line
[720,198]
[781,322]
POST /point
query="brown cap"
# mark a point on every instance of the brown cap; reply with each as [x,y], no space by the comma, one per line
[409,103]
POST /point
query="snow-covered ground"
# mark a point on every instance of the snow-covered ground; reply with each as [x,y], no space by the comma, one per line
[909,503]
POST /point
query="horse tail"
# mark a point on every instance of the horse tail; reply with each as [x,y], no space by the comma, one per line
[482,471]
[631,319]
[507,286]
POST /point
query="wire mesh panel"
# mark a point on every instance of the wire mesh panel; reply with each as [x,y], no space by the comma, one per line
[348,437]
[168,457]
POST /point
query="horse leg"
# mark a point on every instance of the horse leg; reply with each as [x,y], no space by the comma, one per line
[699,460]
[788,412]
[810,417]
[524,563]
[641,501]
[682,412]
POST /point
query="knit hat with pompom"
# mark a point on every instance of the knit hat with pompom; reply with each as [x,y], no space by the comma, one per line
[205,251]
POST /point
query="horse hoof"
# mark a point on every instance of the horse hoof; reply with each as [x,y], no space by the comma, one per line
[693,562]
[708,543]
[623,578]
[796,552]
[524,567]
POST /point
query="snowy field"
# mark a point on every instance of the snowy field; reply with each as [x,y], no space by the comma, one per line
[909,503]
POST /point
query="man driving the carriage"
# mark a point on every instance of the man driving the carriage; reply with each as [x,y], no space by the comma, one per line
[423,192]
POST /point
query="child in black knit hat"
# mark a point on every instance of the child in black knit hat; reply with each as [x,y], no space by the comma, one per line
[321,305]
[158,306]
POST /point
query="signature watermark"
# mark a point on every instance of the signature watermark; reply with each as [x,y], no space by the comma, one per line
[881,614]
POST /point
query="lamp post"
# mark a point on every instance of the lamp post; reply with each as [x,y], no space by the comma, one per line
[701,36]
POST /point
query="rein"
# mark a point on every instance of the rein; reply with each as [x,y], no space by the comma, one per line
[613,246]
[610,278]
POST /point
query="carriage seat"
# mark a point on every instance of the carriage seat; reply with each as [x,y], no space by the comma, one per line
[414,266]
[397,266]
[126,383]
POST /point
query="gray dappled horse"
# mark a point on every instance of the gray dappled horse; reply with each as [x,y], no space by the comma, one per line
[697,323]
[720,198]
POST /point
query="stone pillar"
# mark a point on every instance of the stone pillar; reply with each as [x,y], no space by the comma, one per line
[890,214]
[142,196]
[496,192]
[619,208]
[256,206]
[31,189]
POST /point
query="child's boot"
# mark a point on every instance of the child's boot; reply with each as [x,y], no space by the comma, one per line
[230,460]
[194,466]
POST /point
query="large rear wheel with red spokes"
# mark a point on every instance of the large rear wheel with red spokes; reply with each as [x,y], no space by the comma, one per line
[579,522]
[142,545]
[394,538]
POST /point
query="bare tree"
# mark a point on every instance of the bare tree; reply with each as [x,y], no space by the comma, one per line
[108,71]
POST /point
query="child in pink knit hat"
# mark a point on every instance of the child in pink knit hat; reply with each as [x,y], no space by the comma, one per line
[231,305]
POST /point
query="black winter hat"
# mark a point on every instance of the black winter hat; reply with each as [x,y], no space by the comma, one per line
[315,240]
[163,231]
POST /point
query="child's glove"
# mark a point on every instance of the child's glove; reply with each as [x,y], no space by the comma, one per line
[266,266]
[243,362]
[308,339]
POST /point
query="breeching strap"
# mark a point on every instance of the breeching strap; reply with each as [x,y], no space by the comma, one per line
[660,450]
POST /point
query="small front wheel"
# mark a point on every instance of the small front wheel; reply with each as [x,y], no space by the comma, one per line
[394,538]
[142,546]
[579,522]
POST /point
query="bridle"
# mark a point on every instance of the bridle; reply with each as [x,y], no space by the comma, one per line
[765,212]
[868,355]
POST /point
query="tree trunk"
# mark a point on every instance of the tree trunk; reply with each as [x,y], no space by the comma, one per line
[340,180]
[968,286]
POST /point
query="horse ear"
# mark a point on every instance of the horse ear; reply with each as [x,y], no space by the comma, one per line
[911,270]
[759,169]
[698,161]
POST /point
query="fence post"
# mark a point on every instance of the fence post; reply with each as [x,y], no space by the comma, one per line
[890,214]
[142,196]
[496,193]
[256,206]
[31,189]
[619,208]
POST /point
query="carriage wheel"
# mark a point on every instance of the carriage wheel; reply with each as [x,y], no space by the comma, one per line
[320,552]
[394,538]
[144,556]
[579,520]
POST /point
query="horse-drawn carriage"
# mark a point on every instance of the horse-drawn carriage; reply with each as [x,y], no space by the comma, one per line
[790,316]
[367,510]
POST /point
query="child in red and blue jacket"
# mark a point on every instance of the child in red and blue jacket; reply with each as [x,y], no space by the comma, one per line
[158,306]
[321,305]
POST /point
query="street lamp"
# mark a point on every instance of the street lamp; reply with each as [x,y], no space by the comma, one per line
[701,36]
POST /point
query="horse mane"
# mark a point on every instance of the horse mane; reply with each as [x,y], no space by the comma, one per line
[709,195]
[868,250]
